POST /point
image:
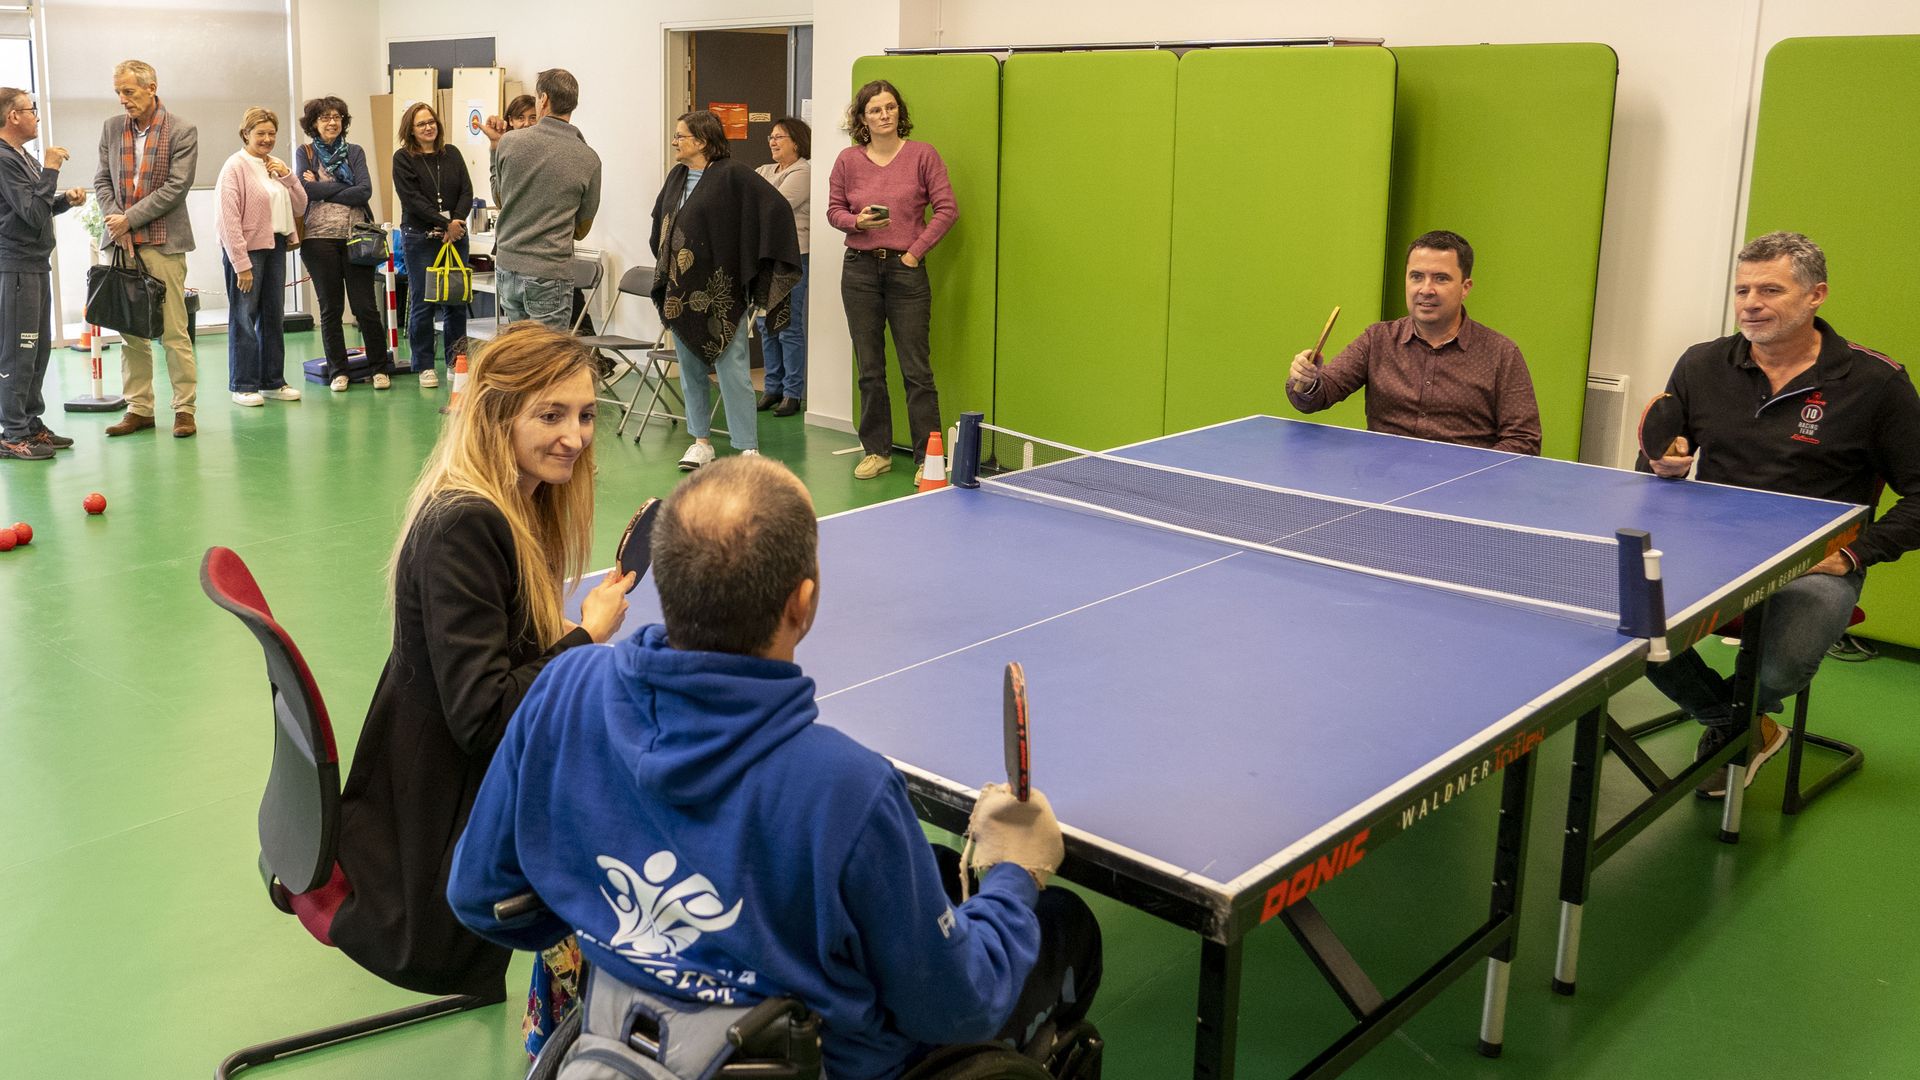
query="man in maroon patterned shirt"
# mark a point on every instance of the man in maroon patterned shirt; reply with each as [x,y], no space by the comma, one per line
[1435,374]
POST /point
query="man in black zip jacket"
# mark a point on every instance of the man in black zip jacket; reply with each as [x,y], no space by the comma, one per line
[1789,405]
[30,196]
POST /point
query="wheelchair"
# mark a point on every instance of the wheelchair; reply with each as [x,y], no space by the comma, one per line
[617,1031]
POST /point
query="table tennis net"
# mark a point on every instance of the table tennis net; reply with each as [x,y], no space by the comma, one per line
[1567,573]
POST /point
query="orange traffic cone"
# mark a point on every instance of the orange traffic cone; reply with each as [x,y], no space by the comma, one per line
[459,380]
[933,471]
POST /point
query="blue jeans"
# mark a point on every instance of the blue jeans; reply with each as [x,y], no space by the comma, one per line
[544,300]
[736,390]
[785,353]
[421,251]
[1803,620]
[256,350]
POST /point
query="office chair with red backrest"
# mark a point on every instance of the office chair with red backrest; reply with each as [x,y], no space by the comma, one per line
[300,809]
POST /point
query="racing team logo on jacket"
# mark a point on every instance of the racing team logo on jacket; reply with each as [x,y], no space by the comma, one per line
[1811,414]
[658,920]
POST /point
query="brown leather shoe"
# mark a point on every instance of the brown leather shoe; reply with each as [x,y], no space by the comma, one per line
[183,425]
[131,423]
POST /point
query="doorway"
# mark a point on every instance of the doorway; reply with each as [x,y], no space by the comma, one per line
[749,76]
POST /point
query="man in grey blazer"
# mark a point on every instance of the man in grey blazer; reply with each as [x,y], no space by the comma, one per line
[147,158]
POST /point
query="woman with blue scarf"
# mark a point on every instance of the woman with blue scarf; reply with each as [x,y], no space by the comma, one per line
[339,189]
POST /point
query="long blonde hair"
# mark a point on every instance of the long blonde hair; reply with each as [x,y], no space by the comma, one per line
[553,529]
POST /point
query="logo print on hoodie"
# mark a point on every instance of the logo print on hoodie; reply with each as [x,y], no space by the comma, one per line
[658,921]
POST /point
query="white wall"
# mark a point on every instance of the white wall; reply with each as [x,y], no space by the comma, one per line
[338,50]
[1689,82]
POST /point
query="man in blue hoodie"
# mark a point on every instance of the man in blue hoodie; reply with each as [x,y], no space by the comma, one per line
[673,802]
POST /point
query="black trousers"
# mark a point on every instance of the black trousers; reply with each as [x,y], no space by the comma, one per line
[1067,974]
[334,278]
[26,336]
[880,294]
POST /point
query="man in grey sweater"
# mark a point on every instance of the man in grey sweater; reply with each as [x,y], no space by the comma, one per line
[546,180]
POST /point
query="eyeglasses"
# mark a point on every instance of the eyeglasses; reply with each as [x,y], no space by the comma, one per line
[34,109]
[324,117]
[422,125]
[775,137]
[680,138]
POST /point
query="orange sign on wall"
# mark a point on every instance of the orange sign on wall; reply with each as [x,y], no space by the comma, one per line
[733,117]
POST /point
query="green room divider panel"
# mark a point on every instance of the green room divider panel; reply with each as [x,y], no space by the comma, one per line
[1507,145]
[954,102]
[1835,157]
[1281,164]
[1086,187]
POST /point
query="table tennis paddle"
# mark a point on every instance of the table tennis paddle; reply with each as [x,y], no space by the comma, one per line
[635,552]
[1015,733]
[1662,423]
[1324,331]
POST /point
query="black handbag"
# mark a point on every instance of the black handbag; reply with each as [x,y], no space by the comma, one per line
[123,296]
[366,244]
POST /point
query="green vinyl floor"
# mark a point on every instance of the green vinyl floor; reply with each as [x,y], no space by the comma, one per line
[135,938]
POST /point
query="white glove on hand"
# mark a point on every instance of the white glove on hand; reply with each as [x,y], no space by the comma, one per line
[1004,829]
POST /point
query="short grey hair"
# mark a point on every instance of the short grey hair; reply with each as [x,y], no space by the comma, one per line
[141,71]
[1809,262]
[561,88]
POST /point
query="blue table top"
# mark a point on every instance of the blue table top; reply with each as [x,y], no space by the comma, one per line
[1212,713]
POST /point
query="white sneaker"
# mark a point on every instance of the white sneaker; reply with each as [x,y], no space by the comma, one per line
[381,382]
[697,455]
[284,393]
[249,398]
[338,385]
[749,453]
[429,378]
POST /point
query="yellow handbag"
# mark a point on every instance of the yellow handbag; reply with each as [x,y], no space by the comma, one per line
[449,281]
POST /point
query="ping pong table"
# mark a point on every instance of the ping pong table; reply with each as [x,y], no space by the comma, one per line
[1200,772]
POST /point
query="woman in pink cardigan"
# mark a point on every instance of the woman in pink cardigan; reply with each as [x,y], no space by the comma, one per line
[880,193]
[258,198]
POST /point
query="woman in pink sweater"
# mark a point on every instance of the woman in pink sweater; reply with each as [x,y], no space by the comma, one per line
[878,194]
[257,200]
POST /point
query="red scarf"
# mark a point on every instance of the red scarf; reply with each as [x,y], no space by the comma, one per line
[138,176]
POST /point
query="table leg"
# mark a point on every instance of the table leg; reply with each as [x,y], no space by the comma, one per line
[1218,1026]
[1746,694]
[1509,862]
[1493,1008]
[1576,857]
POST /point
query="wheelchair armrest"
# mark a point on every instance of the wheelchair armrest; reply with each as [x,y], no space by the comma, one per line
[515,908]
[762,1016]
